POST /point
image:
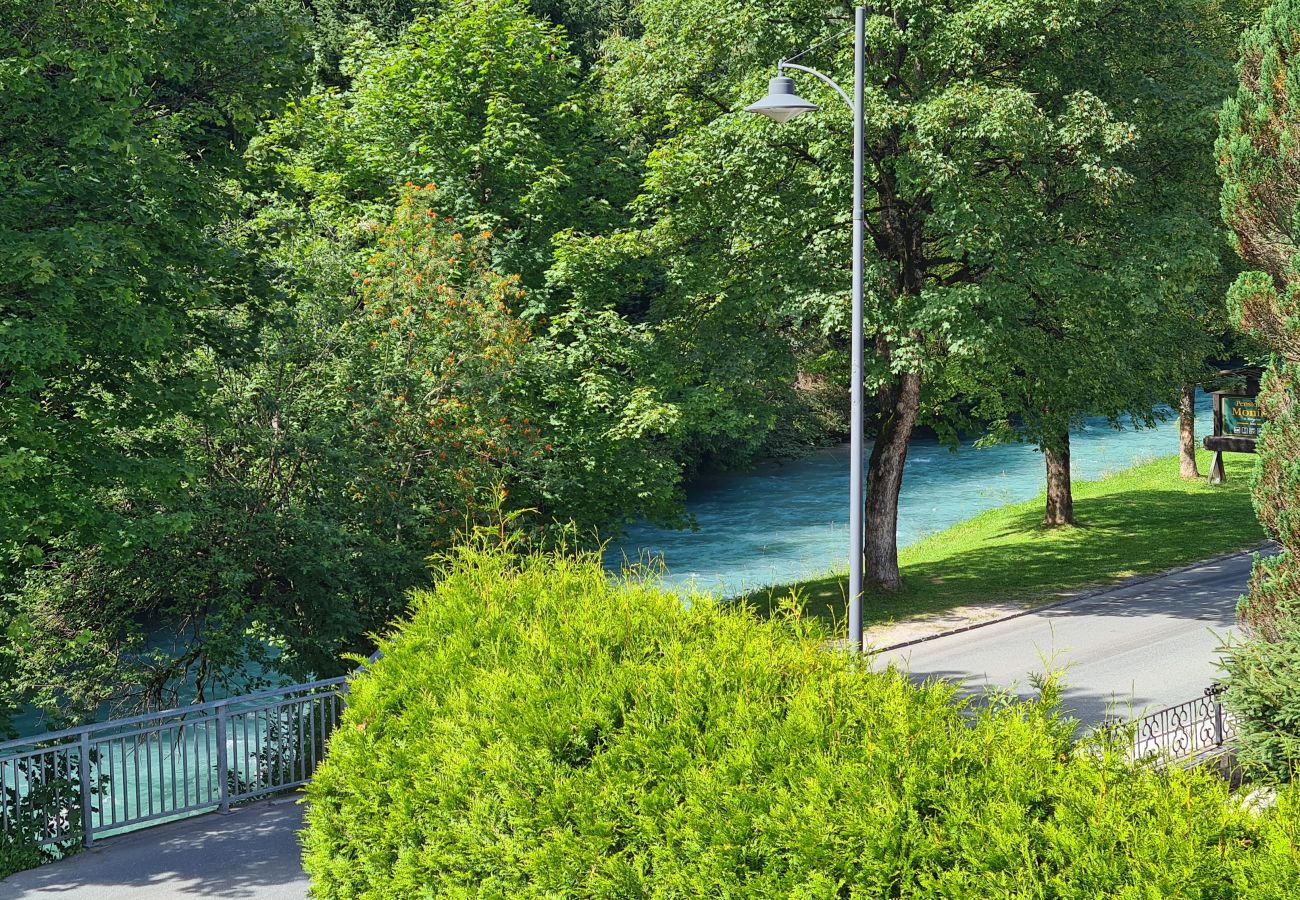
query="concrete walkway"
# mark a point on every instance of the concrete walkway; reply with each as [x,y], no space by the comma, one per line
[1130,650]
[251,853]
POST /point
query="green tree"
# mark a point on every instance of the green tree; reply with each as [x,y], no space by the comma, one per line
[372,426]
[488,101]
[1258,160]
[1114,306]
[123,123]
[589,23]
[339,24]
[484,100]
[388,407]
[392,393]
[991,140]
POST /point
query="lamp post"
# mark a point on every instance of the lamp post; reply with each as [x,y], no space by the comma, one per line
[781,105]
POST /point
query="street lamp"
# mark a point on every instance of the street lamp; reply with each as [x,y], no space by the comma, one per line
[782,104]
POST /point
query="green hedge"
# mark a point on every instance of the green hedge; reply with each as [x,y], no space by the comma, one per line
[536,731]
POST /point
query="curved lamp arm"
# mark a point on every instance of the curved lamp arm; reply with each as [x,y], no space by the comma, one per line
[783,65]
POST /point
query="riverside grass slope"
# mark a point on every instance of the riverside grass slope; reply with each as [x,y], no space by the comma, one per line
[1137,521]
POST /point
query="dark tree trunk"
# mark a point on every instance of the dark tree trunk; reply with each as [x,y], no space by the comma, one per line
[899,404]
[1060,498]
[1187,433]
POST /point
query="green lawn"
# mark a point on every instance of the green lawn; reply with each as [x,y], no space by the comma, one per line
[1141,520]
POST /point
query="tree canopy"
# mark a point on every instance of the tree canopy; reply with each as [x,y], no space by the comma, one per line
[1010,190]
[123,123]
[486,101]
[295,293]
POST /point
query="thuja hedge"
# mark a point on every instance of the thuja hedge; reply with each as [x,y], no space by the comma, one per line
[535,730]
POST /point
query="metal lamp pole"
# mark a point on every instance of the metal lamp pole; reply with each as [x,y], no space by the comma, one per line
[781,105]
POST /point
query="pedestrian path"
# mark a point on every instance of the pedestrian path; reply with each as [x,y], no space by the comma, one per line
[251,854]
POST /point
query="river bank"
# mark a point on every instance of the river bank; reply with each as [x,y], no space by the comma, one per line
[782,523]
[1139,521]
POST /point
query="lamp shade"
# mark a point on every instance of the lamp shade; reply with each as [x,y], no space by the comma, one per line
[781,103]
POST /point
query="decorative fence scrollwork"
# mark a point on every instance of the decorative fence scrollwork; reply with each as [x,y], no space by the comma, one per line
[1187,731]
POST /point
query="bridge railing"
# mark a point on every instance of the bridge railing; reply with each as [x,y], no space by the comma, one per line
[94,781]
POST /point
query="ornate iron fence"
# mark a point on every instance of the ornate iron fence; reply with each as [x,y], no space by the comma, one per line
[79,784]
[1187,731]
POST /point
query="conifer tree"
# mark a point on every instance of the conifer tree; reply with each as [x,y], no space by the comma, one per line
[1259,159]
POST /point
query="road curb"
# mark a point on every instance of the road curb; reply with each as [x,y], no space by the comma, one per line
[1085,595]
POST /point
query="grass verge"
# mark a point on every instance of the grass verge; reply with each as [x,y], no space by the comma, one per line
[1135,522]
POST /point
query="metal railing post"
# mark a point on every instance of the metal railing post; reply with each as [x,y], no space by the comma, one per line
[223,761]
[1213,693]
[83,776]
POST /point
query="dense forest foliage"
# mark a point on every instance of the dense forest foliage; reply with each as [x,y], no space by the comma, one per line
[291,293]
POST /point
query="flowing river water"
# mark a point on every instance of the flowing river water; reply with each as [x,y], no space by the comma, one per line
[781,523]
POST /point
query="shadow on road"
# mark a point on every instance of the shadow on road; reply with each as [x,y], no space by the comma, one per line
[1207,594]
[1090,708]
[251,854]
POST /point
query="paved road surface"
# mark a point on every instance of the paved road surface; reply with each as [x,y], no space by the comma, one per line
[1133,649]
[251,853]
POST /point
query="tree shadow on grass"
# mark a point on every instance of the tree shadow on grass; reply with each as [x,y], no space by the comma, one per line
[1121,534]
[1145,531]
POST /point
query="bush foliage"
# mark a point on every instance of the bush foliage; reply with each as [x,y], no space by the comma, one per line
[535,730]
[1261,199]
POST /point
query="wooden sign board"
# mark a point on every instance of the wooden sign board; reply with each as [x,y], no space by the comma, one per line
[1237,424]
[1241,417]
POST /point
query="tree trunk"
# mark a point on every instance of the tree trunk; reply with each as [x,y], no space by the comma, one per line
[899,404]
[1187,433]
[1060,498]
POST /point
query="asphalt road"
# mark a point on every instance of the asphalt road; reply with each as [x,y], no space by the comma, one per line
[1133,649]
[251,853]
